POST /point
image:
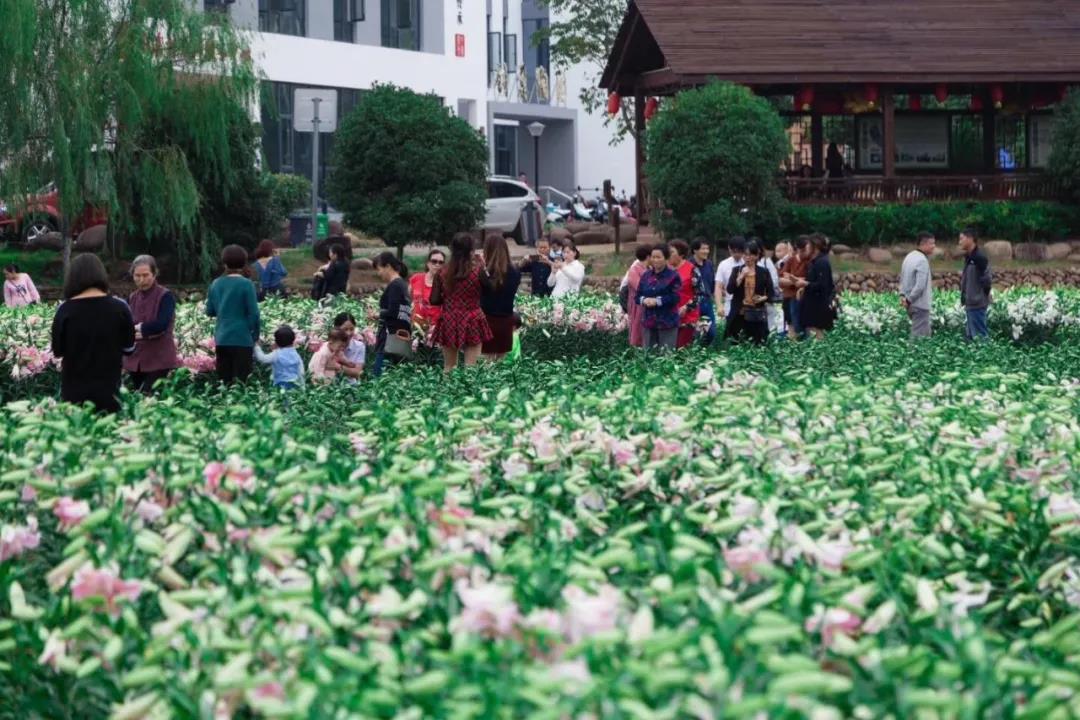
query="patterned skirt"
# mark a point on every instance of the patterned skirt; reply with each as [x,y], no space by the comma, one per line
[461,329]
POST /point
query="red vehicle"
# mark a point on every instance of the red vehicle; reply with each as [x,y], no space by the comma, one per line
[41,216]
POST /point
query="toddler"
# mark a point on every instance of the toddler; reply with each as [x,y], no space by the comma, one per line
[286,366]
[330,358]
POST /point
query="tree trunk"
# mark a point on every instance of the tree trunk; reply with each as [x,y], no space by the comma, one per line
[66,234]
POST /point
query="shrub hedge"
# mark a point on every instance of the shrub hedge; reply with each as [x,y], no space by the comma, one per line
[860,225]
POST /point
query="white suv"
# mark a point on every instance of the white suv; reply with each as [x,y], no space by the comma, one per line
[507,198]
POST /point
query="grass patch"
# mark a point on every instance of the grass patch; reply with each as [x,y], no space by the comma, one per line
[42,265]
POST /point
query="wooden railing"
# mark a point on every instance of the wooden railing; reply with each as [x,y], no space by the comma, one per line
[866,190]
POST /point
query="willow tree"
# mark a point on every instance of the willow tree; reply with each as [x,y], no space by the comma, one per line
[83,84]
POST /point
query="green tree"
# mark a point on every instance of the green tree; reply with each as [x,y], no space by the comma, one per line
[406,170]
[86,83]
[583,32]
[1065,155]
[713,158]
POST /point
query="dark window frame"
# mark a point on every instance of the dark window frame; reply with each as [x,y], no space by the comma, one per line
[273,15]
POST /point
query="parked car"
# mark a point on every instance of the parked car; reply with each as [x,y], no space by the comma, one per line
[507,200]
[41,215]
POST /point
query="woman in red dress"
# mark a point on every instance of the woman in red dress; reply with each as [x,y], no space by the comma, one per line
[462,327]
[424,313]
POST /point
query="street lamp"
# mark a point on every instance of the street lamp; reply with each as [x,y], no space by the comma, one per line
[536,129]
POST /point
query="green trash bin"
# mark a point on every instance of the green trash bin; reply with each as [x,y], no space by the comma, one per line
[322,226]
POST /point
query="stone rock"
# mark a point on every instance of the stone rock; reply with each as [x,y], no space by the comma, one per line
[577,227]
[600,236]
[561,234]
[628,233]
[841,249]
[1058,251]
[1030,252]
[901,250]
[879,256]
[49,241]
[363,264]
[998,249]
[1075,257]
[1075,245]
[337,229]
[322,248]
[91,239]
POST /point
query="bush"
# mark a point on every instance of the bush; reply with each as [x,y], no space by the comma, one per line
[287,193]
[713,152]
[1065,156]
[406,170]
[883,224]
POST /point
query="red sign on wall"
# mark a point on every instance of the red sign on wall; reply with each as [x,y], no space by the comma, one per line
[459,45]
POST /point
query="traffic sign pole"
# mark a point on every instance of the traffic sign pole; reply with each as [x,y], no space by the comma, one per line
[315,173]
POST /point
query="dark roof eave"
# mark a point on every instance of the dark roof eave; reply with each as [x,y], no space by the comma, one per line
[665,81]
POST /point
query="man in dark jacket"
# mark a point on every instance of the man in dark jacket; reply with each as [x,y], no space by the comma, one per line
[975,282]
[538,267]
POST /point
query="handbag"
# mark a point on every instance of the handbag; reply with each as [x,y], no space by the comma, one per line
[624,298]
[755,314]
[399,344]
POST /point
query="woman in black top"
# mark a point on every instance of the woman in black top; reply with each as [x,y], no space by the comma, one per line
[334,276]
[395,308]
[499,282]
[816,311]
[91,332]
[751,290]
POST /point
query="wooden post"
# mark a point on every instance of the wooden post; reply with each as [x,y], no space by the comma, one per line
[989,136]
[613,213]
[817,143]
[639,159]
[888,140]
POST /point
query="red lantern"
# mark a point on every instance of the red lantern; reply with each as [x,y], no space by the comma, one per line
[614,102]
[941,92]
[872,94]
[976,103]
[915,102]
[997,96]
[804,99]
[651,106]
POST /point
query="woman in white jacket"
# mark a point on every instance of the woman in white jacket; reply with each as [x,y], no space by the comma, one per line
[568,274]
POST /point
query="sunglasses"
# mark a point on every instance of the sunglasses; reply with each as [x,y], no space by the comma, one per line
[436,262]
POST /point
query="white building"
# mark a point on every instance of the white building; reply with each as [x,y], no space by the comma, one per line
[470,53]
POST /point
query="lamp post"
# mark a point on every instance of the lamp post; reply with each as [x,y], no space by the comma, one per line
[536,129]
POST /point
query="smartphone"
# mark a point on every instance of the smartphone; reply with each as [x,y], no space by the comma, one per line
[553,256]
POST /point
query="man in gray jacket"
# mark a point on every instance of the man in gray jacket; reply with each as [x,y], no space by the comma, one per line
[975,283]
[916,285]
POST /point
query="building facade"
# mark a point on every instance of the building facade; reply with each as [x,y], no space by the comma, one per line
[477,56]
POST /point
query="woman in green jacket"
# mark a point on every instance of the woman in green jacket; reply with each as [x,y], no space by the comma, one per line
[233,301]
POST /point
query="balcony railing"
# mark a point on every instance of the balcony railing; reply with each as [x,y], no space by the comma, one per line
[866,190]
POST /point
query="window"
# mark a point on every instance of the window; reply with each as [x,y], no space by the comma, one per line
[285,17]
[505,153]
[494,54]
[511,53]
[346,13]
[217,5]
[286,150]
[541,52]
[401,24]
[1011,135]
[505,190]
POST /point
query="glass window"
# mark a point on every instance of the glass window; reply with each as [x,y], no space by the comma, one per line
[505,154]
[541,50]
[511,53]
[401,24]
[288,151]
[1011,135]
[966,143]
[494,54]
[217,5]
[285,17]
[346,14]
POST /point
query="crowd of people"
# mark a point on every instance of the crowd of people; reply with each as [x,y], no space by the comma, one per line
[463,303]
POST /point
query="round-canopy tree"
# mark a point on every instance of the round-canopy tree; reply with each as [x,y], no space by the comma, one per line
[1065,156]
[714,153]
[406,170]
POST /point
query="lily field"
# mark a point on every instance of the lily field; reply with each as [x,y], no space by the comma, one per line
[856,528]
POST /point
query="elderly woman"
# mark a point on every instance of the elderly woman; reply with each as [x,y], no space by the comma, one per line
[153,308]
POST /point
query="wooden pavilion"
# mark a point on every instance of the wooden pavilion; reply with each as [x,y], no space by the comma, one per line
[922,99]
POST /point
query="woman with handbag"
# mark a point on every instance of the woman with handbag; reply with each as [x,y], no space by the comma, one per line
[462,328]
[751,291]
[394,339]
[500,281]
